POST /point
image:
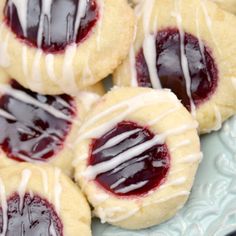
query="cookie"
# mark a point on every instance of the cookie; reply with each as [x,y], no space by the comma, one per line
[38,128]
[228,5]
[40,200]
[188,47]
[136,157]
[53,48]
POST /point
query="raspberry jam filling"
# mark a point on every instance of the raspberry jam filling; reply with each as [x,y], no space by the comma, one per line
[52,27]
[138,175]
[36,216]
[33,126]
[201,66]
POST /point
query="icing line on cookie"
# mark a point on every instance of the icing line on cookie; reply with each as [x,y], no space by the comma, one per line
[4,208]
[92,171]
[25,177]
[57,188]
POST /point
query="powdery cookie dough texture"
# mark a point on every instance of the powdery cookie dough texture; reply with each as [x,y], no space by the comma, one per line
[210,52]
[136,157]
[228,5]
[37,128]
[43,201]
[77,65]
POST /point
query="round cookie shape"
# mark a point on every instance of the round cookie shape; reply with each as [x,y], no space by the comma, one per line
[58,30]
[45,219]
[181,45]
[149,172]
[55,47]
[136,157]
[39,128]
[37,200]
[202,69]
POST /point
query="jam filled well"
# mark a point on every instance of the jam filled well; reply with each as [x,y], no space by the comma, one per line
[139,174]
[30,129]
[35,216]
[61,24]
[201,67]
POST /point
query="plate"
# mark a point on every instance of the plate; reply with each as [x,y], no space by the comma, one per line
[211,209]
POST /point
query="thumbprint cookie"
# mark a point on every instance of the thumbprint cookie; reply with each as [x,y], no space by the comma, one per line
[39,128]
[136,157]
[190,48]
[54,47]
[40,200]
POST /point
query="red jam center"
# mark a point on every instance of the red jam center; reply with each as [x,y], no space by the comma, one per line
[36,216]
[28,131]
[55,29]
[138,175]
[201,66]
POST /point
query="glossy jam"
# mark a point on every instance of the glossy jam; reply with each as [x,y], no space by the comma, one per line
[151,166]
[58,29]
[201,65]
[36,217]
[34,133]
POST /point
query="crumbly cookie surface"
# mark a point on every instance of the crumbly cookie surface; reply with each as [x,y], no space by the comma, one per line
[163,115]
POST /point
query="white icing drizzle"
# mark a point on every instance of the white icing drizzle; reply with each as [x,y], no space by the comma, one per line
[114,141]
[81,11]
[149,51]
[132,187]
[209,23]
[44,179]
[200,42]
[69,84]
[21,7]
[4,208]
[118,182]
[105,214]
[163,115]
[184,60]
[20,95]
[175,182]
[131,105]
[165,199]
[88,99]
[52,230]
[57,189]
[36,72]
[25,177]
[92,171]
[218,117]
[7,115]
[181,144]
[49,62]
[45,12]
[101,15]
[190,158]
[149,45]
[97,199]
[132,62]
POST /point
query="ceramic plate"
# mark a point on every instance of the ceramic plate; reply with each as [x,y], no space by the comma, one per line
[211,209]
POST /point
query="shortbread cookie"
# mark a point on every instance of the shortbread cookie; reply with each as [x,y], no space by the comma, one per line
[190,48]
[38,128]
[56,47]
[228,5]
[137,155]
[40,200]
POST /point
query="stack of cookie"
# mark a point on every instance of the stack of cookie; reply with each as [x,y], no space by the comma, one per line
[132,153]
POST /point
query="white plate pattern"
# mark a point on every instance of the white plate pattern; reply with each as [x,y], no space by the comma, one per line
[211,209]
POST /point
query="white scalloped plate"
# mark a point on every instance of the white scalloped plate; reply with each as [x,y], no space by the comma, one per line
[211,209]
